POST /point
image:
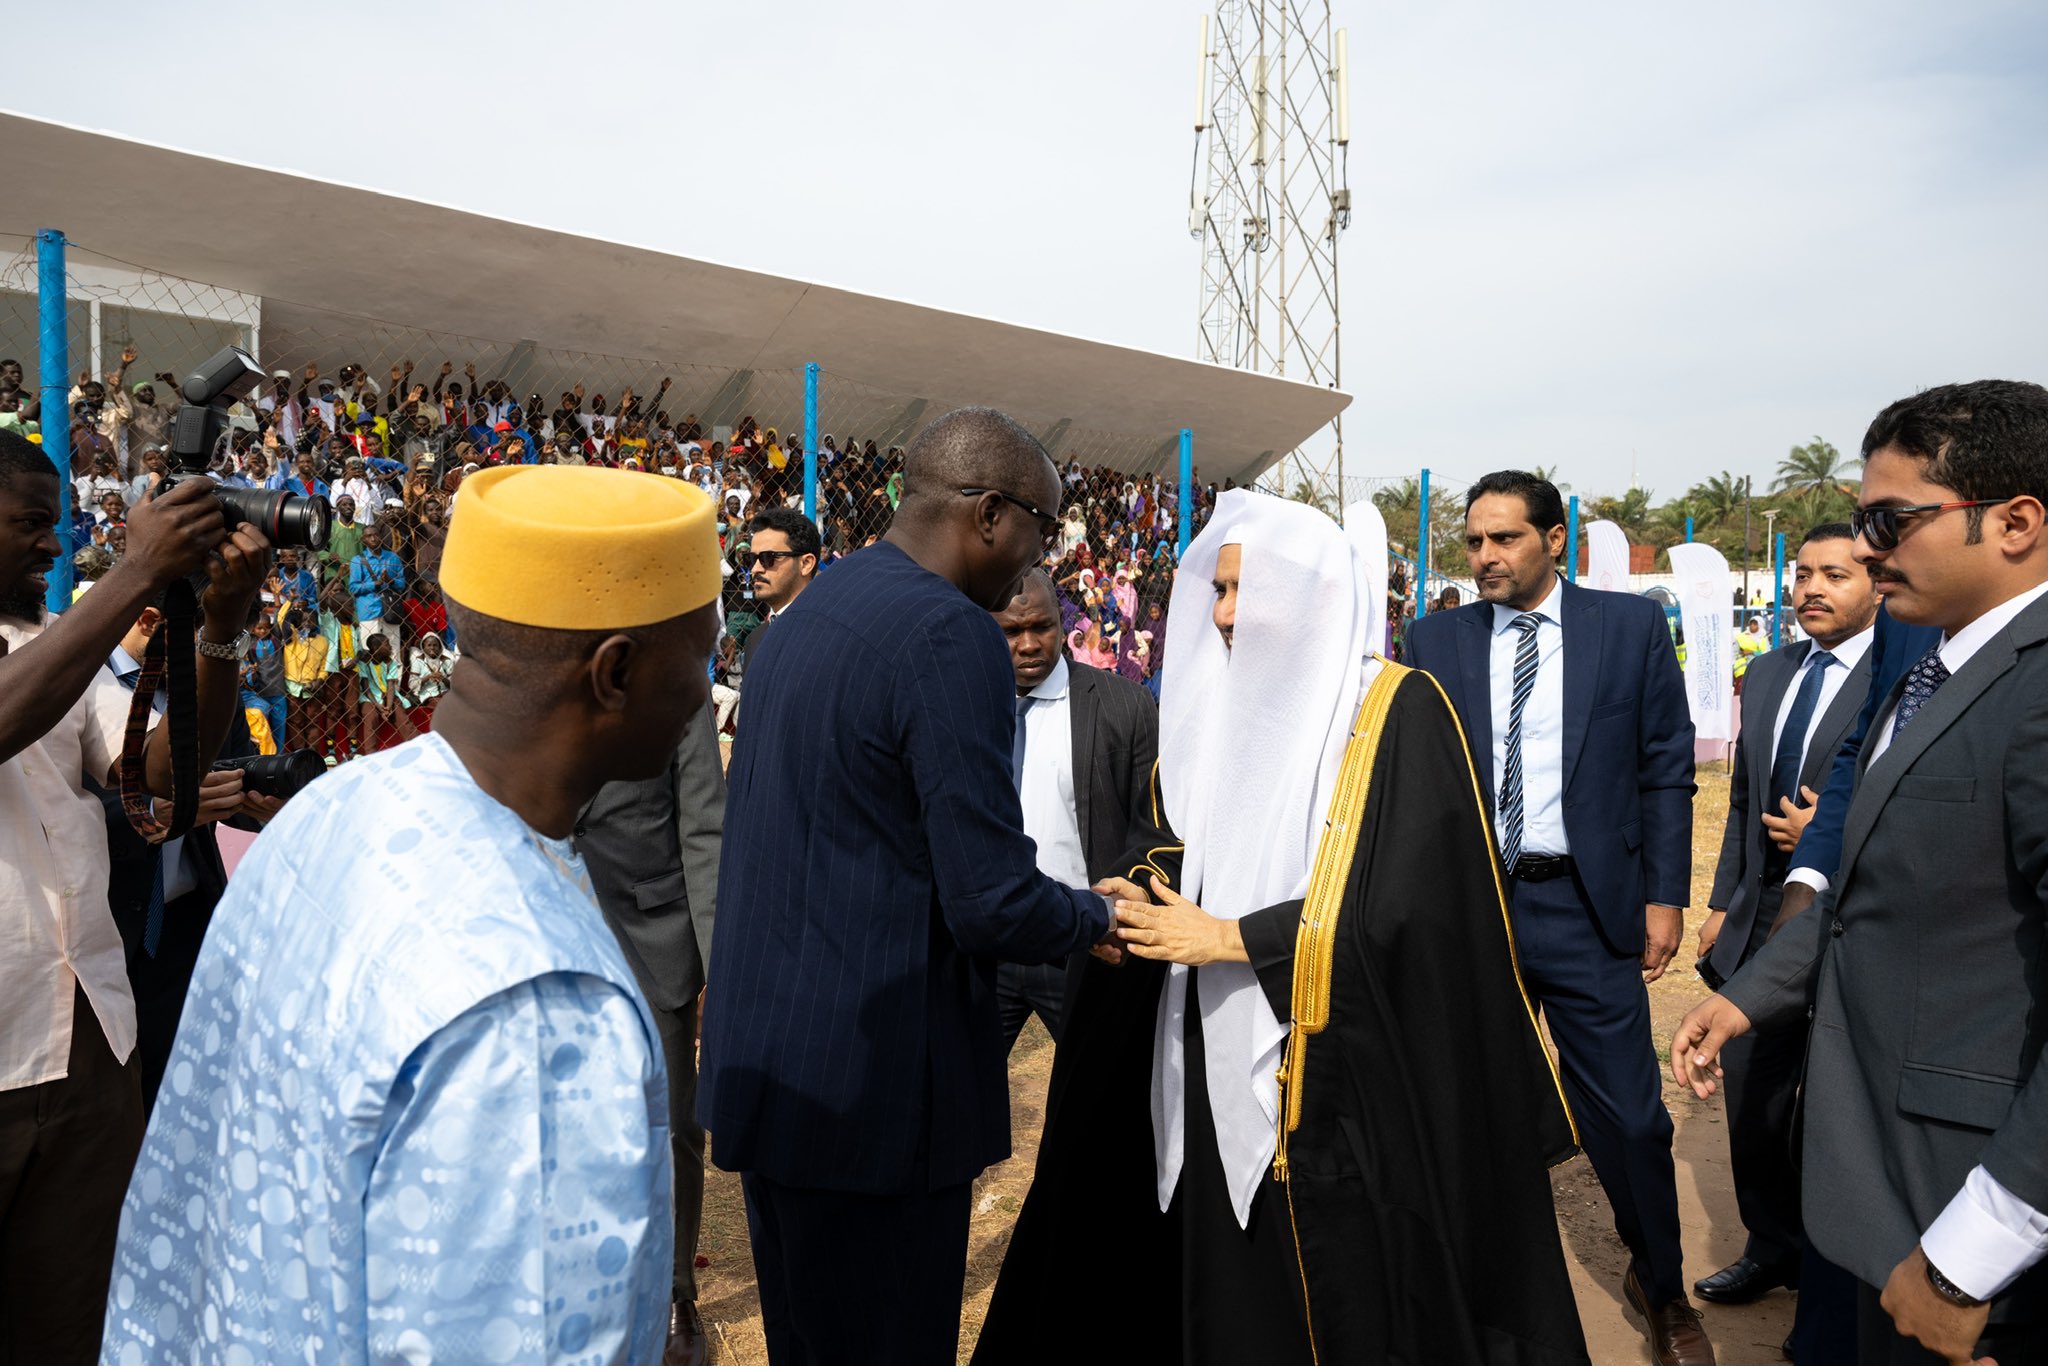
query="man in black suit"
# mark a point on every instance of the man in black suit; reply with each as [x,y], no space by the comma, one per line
[1083,754]
[1575,709]
[1925,1110]
[652,850]
[1799,704]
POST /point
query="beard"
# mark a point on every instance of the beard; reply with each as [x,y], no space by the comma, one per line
[24,604]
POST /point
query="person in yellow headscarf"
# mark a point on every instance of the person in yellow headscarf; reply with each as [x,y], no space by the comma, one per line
[410,993]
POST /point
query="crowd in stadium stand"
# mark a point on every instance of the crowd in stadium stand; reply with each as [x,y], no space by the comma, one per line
[354,646]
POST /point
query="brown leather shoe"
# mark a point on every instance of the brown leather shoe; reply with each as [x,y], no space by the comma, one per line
[687,1345]
[1676,1337]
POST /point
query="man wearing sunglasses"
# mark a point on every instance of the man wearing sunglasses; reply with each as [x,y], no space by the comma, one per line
[783,558]
[1926,1114]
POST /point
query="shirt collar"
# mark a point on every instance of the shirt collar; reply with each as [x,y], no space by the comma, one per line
[1851,651]
[1957,649]
[1548,609]
[123,663]
[1055,685]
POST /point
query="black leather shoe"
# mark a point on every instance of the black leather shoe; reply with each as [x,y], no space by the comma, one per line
[1744,1282]
[687,1345]
[1786,1350]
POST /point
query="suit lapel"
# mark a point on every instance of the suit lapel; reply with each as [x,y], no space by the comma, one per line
[1582,644]
[1475,675]
[1081,716]
[1950,701]
[1763,693]
[1835,724]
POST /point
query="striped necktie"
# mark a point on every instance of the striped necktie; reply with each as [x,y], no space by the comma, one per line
[1511,769]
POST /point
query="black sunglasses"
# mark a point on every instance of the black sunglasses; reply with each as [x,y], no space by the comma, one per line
[770,558]
[1879,526]
[1048,525]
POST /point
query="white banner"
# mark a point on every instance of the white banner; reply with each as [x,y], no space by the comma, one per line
[1705,614]
[1606,557]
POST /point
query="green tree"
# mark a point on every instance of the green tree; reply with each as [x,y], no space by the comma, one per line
[1307,491]
[1817,482]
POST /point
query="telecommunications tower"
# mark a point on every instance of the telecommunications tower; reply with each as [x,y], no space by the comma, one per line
[1269,197]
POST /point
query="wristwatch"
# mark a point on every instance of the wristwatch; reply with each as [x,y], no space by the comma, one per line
[1949,1290]
[234,652]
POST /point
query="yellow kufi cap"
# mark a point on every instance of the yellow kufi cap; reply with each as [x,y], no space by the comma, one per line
[580,548]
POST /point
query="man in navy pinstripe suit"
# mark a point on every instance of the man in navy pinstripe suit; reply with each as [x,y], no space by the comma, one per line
[874,869]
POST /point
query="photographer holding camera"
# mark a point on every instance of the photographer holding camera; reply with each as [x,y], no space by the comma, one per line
[70,1103]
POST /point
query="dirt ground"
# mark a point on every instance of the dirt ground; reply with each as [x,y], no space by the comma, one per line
[1746,1336]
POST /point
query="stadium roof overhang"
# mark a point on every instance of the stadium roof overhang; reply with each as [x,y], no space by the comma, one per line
[294,240]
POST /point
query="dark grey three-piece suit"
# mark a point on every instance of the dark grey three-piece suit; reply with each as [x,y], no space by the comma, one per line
[1763,1066]
[1926,969]
[652,850]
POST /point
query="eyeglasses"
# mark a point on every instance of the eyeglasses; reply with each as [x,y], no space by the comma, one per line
[1048,525]
[766,558]
[1879,526]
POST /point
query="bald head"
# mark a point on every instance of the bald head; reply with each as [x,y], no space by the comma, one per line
[1037,593]
[976,448]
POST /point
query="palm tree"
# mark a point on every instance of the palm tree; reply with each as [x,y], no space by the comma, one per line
[1717,500]
[1307,491]
[1816,476]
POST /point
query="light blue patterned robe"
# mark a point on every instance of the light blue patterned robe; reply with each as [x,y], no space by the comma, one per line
[416,1111]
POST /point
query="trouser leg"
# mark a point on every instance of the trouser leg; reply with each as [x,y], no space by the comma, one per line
[849,1280]
[1599,1016]
[66,1149]
[1762,1083]
[1025,988]
[686,1138]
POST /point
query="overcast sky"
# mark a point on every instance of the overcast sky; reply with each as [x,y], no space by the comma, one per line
[1586,235]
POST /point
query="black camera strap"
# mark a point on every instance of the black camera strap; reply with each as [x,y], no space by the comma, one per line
[172,649]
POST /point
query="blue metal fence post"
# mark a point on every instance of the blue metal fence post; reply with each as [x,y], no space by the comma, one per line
[1422,550]
[1185,520]
[53,311]
[1777,586]
[1571,543]
[1688,531]
[811,441]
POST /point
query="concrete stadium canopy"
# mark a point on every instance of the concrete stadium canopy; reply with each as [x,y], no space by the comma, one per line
[296,241]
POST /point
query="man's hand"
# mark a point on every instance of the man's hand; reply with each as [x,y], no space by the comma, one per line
[1663,927]
[397,375]
[260,808]
[1786,827]
[129,355]
[1176,930]
[1696,1047]
[312,373]
[469,370]
[1710,932]
[1947,1330]
[220,796]
[235,574]
[1796,897]
[171,537]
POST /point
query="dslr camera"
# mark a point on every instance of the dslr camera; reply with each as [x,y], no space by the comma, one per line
[227,377]
[282,776]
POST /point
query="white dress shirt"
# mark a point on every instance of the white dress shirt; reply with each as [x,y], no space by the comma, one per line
[1847,656]
[54,921]
[1542,723]
[1046,784]
[1987,1235]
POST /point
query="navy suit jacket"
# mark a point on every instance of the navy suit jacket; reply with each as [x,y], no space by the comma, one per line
[874,868]
[1894,648]
[1628,744]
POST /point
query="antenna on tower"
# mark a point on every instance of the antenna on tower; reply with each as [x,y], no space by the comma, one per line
[1273,98]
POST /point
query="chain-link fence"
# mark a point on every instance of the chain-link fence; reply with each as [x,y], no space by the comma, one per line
[386,419]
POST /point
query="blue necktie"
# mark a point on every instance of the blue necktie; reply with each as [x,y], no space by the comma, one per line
[1921,681]
[1791,753]
[1511,769]
[1017,742]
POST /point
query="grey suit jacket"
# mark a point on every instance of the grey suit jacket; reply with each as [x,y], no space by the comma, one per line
[1116,742]
[1738,879]
[652,850]
[1930,1018]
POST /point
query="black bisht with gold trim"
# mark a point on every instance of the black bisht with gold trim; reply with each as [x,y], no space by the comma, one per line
[1420,1112]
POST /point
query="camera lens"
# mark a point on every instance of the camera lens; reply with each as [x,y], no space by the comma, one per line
[276,775]
[285,519]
